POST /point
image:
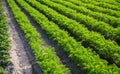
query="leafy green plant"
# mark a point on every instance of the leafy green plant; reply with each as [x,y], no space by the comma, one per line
[4,41]
[96,8]
[97,15]
[45,56]
[102,4]
[106,48]
[89,22]
[76,51]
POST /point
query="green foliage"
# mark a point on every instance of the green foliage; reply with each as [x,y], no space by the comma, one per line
[102,4]
[96,8]
[89,22]
[117,1]
[4,41]
[2,70]
[97,15]
[45,56]
[111,2]
[104,47]
[76,51]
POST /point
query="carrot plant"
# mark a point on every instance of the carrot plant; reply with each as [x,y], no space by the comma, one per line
[79,54]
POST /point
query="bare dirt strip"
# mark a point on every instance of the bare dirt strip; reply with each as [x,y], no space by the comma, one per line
[21,56]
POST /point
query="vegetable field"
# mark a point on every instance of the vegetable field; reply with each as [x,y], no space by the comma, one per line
[59,36]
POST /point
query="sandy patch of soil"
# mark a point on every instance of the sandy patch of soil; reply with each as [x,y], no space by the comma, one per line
[20,62]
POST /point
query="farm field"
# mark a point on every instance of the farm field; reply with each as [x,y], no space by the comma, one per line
[59,37]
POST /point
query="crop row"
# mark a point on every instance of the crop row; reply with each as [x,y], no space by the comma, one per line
[96,8]
[46,56]
[115,22]
[107,48]
[92,24]
[76,51]
[117,1]
[102,4]
[4,41]
[112,2]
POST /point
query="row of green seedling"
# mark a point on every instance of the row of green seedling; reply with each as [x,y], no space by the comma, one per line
[113,21]
[96,8]
[92,24]
[112,2]
[102,4]
[107,48]
[4,41]
[79,54]
[45,56]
